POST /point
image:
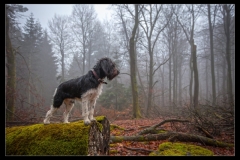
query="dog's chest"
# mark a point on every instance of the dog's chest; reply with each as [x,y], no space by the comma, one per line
[93,93]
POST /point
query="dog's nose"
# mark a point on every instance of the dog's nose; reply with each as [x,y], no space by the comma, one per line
[118,72]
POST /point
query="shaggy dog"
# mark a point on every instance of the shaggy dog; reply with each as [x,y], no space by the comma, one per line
[85,89]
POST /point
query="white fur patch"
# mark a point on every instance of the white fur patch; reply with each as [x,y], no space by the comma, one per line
[92,93]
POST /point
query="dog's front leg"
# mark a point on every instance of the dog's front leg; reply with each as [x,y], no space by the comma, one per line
[85,112]
[92,106]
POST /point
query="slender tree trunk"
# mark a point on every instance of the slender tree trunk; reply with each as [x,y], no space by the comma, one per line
[89,55]
[63,66]
[11,75]
[196,80]
[227,21]
[206,71]
[191,81]
[150,83]
[29,78]
[180,81]
[163,90]
[224,84]
[170,80]
[212,57]
[84,59]
[174,79]
[136,108]
[144,93]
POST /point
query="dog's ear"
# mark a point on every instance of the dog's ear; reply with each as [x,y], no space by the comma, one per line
[105,66]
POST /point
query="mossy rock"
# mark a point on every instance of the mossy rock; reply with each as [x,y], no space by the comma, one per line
[51,139]
[180,149]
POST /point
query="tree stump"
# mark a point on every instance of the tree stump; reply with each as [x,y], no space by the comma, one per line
[99,138]
[60,139]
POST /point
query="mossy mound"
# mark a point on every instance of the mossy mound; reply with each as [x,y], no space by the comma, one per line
[180,149]
[51,139]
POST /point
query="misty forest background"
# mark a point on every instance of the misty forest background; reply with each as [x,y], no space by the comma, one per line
[171,57]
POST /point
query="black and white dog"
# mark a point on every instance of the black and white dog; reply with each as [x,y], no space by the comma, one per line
[85,89]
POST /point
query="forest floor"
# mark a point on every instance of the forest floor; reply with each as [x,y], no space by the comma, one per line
[133,126]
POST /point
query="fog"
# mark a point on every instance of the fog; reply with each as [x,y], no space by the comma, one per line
[184,55]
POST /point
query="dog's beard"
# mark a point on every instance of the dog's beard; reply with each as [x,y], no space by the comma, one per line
[113,75]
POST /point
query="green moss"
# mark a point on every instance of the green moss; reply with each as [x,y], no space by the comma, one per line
[180,149]
[112,127]
[52,139]
[113,151]
[117,139]
[100,118]
[112,145]
[161,131]
[154,153]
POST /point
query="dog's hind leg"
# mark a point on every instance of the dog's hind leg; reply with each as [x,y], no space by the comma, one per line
[69,105]
[85,112]
[92,106]
[49,115]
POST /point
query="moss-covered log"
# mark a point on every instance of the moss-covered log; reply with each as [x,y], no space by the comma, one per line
[59,139]
[171,136]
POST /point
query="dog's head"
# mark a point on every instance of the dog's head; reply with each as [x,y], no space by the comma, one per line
[109,68]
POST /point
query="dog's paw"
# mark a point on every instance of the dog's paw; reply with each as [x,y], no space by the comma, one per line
[87,122]
[92,119]
[46,121]
[66,122]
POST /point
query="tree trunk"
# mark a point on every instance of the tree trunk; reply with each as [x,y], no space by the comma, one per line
[170,79]
[212,57]
[191,81]
[98,143]
[206,71]
[150,83]
[132,54]
[143,91]
[180,81]
[63,65]
[89,54]
[84,59]
[196,80]
[11,75]
[60,139]
[29,79]
[227,21]
[163,88]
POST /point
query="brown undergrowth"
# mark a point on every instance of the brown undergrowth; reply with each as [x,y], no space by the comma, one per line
[132,126]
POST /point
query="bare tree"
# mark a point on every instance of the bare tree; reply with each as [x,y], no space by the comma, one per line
[211,27]
[227,10]
[189,33]
[131,47]
[59,35]
[132,53]
[83,18]
[152,28]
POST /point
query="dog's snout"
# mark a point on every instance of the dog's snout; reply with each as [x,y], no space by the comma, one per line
[118,72]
